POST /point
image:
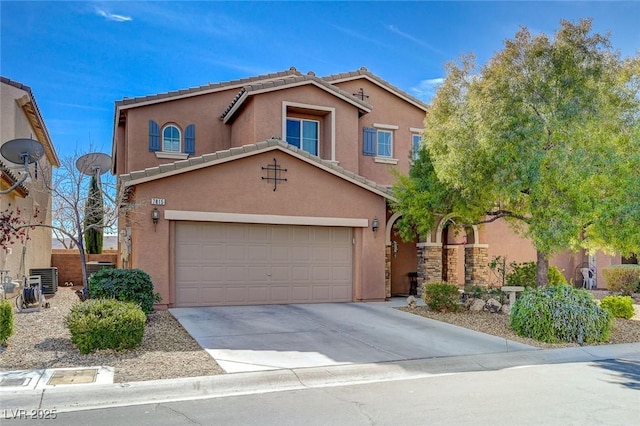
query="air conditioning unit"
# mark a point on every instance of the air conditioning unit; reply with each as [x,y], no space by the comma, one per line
[49,278]
[93,267]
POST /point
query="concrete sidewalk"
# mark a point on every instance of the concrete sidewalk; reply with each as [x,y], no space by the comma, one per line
[84,397]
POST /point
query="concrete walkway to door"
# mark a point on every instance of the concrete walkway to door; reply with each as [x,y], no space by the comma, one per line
[269,337]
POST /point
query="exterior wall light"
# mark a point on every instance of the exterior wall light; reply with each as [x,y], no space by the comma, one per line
[155,215]
[375,225]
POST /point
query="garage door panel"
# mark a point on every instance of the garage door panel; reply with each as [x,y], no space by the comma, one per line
[321,254]
[279,293]
[341,274]
[236,294]
[212,293]
[235,273]
[236,264]
[236,253]
[259,253]
[257,273]
[340,292]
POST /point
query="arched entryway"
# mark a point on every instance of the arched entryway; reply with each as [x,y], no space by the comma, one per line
[402,259]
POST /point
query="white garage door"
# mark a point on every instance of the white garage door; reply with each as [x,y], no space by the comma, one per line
[250,264]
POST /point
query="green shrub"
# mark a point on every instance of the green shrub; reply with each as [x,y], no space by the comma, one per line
[555,276]
[6,321]
[441,296]
[126,285]
[484,292]
[105,324]
[560,313]
[524,274]
[622,279]
[618,306]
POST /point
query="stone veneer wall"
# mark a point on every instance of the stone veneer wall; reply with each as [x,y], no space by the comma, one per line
[429,264]
[387,271]
[476,259]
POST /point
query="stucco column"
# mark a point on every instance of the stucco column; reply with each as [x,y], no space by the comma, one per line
[476,269]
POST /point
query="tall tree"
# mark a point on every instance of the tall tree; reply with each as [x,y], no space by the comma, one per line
[545,135]
[94,218]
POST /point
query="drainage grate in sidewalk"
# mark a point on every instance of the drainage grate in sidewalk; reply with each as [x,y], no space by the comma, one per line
[73,377]
[8,381]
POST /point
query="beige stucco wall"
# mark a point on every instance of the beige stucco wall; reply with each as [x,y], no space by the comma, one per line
[238,187]
[392,110]
[203,111]
[260,117]
[36,252]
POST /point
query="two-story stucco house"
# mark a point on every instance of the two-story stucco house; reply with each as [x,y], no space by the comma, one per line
[20,118]
[275,189]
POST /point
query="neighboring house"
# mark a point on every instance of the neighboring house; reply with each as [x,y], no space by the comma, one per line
[21,118]
[276,189]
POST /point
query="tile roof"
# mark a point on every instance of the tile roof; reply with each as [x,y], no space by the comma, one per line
[211,87]
[363,72]
[286,82]
[194,163]
[10,178]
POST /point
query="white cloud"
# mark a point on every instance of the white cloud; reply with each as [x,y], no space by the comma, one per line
[426,89]
[112,16]
[416,40]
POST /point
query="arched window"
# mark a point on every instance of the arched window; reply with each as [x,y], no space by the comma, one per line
[171,139]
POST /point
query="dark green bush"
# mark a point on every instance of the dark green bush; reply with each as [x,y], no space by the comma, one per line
[524,274]
[618,306]
[560,313]
[105,324]
[622,279]
[6,321]
[126,285]
[441,296]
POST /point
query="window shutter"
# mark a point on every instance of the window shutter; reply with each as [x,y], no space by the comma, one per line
[190,139]
[154,136]
[369,141]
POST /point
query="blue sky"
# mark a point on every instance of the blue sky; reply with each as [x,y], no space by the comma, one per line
[80,57]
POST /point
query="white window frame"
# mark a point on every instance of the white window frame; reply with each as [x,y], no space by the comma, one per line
[179,150]
[415,131]
[331,116]
[387,128]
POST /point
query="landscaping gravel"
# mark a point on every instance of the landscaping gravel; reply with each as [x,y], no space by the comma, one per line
[497,324]
[41,340]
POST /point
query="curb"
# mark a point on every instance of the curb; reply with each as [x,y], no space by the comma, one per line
[95,396]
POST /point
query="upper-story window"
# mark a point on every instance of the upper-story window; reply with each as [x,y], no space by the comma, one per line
[385,143]
[171,142]
[415,146]
[171,139]
[304,134]
[378,143]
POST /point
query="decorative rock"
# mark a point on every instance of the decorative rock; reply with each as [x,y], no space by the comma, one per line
[412,302]
[492,306]
[506,309]
[477,305]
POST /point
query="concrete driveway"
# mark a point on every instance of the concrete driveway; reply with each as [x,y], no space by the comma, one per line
[269,337]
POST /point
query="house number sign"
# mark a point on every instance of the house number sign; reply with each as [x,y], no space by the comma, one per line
[157,201]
